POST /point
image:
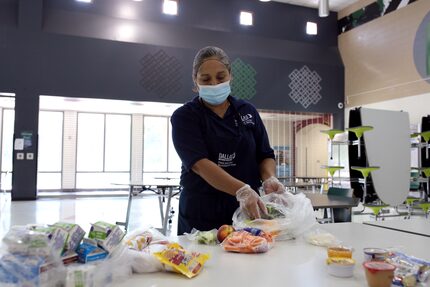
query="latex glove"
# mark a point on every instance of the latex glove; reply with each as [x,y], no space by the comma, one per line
[251,202]
[272,184]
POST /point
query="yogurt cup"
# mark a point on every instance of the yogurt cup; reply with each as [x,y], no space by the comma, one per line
[379,273]
[340,266]
[375,254]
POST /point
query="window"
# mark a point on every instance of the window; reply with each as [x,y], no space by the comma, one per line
[246,18]
[50,150]
[118,136]
[90,142]
[155,137]
[103,154]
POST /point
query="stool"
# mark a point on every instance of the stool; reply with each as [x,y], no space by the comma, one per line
[332,169]
[358,131]
[331,133]
[365,173]
[376,208]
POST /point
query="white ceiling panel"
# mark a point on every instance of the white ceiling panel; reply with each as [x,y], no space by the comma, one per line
[335,5]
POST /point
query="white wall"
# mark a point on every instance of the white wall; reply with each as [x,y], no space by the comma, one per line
[417,107]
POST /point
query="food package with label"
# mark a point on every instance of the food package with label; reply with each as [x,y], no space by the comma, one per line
[88,253]
[250,240]
[75,235]
[27,258]
[177,259]
[288,216]
[57,235]
[409,269]
[107,235]
[21,240]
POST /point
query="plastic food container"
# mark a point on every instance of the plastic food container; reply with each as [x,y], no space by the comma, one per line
[375,254]
[339,251]
[379,273]
[340,266]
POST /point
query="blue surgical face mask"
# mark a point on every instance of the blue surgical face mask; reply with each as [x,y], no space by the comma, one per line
[215,94]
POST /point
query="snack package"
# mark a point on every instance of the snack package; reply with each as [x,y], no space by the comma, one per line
[57,235]
[248,241]
[177,259]
[107,235]
[409,269]
[88,253]
[75,235]
[289,216]
[141,244]
[80,275]
[27,258]
[203,237]
[21,240]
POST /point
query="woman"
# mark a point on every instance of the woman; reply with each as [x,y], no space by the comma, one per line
[224,149]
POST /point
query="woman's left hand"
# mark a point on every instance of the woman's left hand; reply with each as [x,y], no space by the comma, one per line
[272,184]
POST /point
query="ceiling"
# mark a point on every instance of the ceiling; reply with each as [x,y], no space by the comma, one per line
[335,5]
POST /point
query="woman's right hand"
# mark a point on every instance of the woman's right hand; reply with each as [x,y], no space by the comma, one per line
[251,202]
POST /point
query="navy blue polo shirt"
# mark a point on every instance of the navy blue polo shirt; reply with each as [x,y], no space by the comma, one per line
[238,142]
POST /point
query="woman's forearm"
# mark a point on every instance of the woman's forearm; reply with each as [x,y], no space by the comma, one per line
[217,177]
[267,168]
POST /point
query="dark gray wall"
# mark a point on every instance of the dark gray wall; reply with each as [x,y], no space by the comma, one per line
[71,49]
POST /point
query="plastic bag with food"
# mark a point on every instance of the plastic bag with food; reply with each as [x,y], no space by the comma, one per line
[248,240]
[29,258]
[289,215]
[203,237]
[177,259]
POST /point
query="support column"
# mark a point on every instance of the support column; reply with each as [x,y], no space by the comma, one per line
[24,177]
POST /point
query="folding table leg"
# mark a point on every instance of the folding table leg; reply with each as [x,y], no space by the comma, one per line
[166,216]
[130,198]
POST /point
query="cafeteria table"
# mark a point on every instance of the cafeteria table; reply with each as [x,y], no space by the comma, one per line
[288,263]
[417,226]
[321,200]
[163,188]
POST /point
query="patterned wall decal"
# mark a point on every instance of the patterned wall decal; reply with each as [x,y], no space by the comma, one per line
[244,80]
[370,12]
[305,86]
[161,74]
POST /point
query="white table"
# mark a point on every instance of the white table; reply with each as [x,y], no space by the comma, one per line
[417,226]
[161,187]
[289,263]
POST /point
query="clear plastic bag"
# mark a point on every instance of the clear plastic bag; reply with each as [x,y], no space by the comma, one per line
[250,240]
[28,258]
[320,237]
[203,237]
[289,216]
[141,244]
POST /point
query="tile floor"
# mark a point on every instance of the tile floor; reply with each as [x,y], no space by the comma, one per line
[88,209]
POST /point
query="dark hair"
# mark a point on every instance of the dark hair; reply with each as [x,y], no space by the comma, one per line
[209,52]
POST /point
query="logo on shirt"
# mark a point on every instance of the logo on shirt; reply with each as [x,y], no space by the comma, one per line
[247,119]
[226,160]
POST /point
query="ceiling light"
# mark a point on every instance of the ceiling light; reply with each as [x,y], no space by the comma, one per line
[323,8]
[170,7]
[245,18]
[85,1]
[264,0]
[311,28]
